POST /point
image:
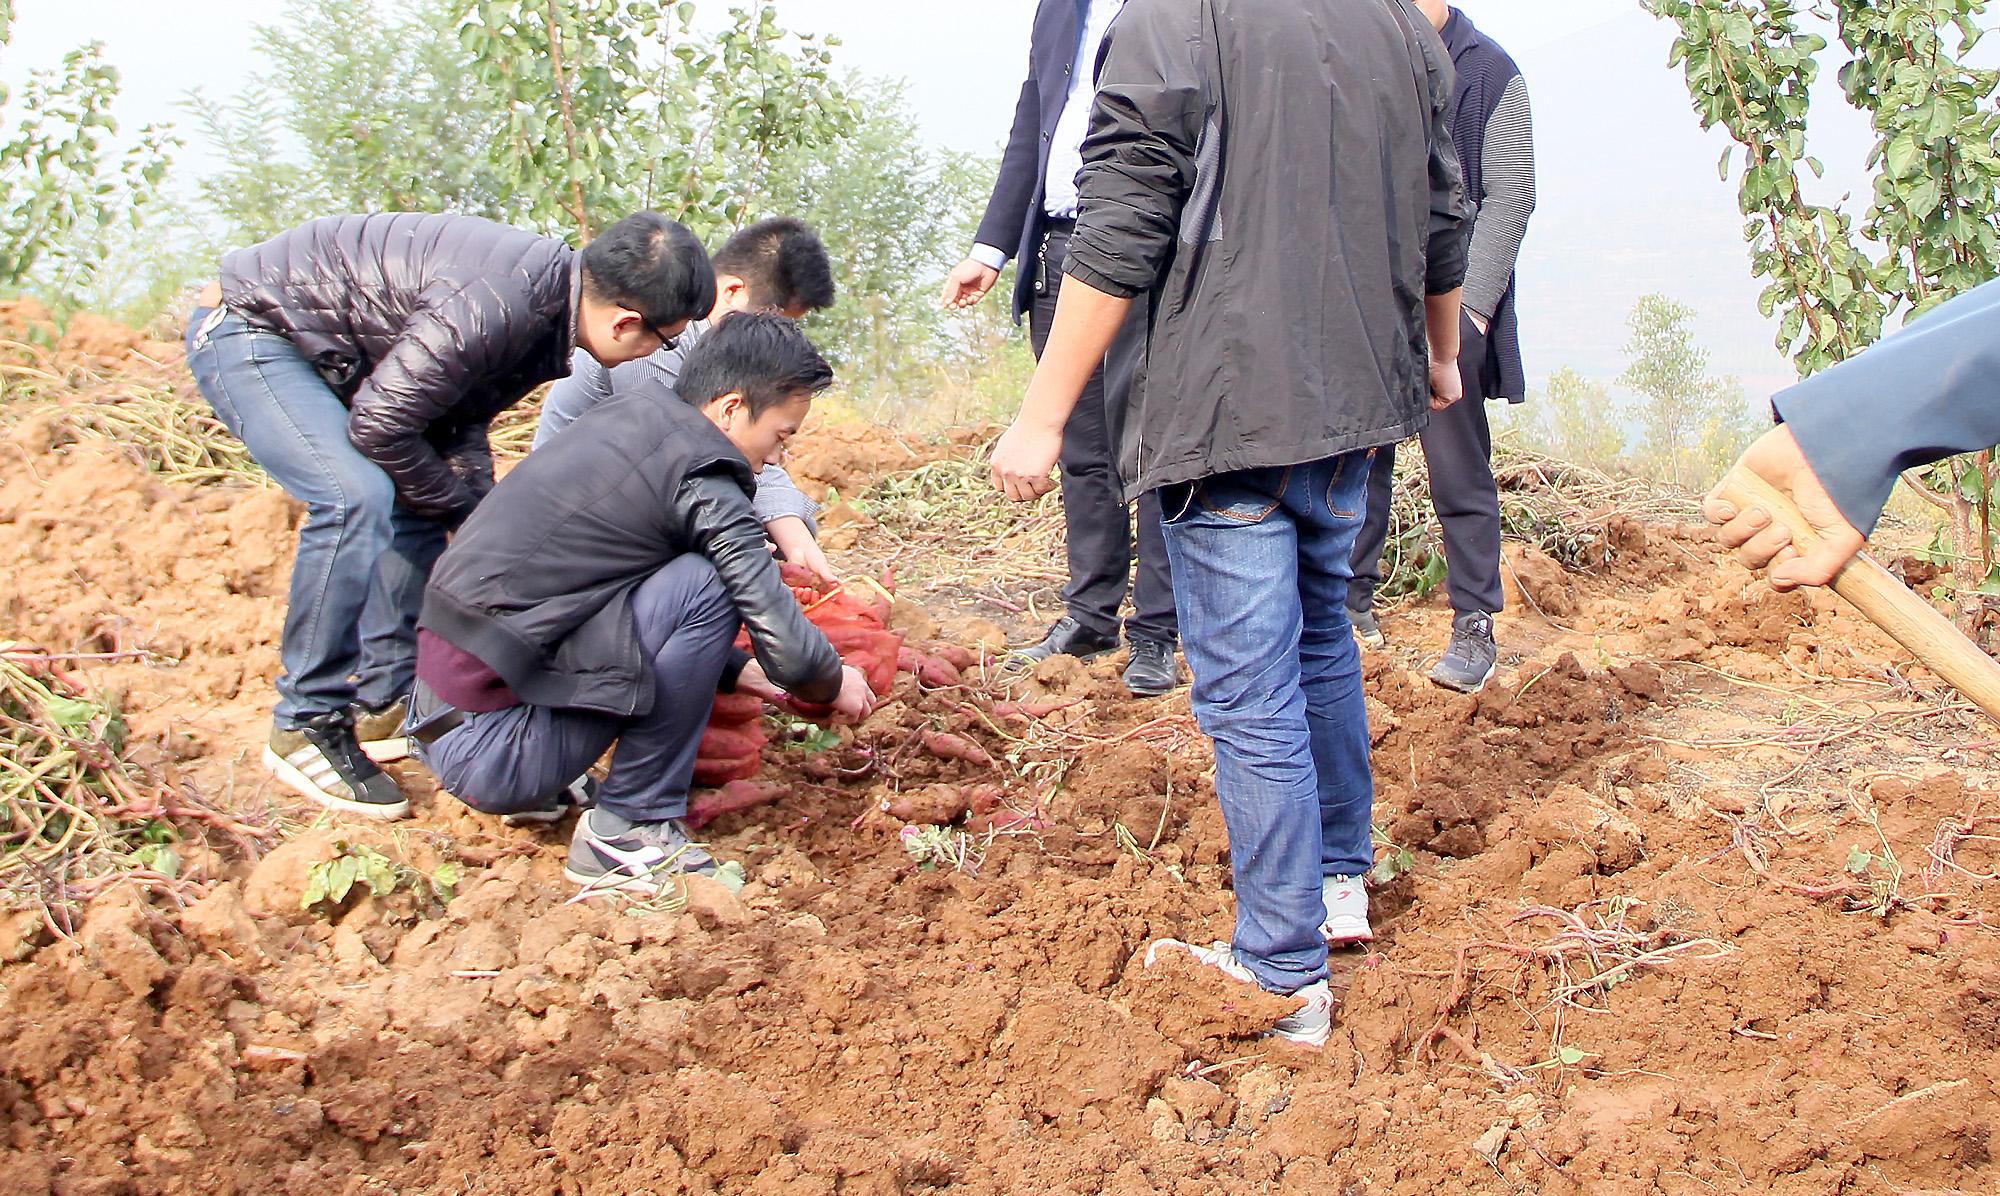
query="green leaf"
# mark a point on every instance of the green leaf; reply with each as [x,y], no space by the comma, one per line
[1858,861]
[1571,1056]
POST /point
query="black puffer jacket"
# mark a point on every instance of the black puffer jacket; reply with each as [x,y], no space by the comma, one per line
[427,326]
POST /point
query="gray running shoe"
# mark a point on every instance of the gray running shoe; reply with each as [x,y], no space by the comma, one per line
[321,760]
[1468,664]
[1366,628]
[611,854]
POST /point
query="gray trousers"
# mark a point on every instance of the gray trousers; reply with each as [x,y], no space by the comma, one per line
[1458,447]
[517,759]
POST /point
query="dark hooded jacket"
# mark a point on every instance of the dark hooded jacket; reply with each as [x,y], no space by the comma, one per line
[1281,178]
[426,326]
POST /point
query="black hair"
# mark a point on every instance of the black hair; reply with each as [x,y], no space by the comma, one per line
[651,265]
[783,262]
[760,355]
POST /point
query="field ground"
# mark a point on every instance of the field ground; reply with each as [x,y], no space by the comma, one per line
[1699,897]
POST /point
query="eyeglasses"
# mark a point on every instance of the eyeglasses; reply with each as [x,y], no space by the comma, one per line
[666,342]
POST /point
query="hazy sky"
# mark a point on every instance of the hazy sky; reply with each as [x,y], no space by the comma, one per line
[1630,198]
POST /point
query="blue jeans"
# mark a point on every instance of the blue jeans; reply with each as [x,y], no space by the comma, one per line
[358,580]
[1261,565]
[513,760]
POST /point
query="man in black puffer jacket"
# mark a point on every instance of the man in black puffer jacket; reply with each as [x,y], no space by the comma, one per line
[360,359]
[595,599]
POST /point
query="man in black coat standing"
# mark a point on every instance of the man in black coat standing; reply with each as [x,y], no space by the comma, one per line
[1492,128]
[360,359]
[1030,218]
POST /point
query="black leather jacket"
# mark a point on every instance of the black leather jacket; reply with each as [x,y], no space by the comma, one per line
[427,326]
[538,584]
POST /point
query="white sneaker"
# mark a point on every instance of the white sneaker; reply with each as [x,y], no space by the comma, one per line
[1346,911]
[1310,1026]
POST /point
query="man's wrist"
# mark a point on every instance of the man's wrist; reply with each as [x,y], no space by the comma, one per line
[989,256]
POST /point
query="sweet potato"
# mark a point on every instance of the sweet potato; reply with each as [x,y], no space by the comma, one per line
[937,673]
[946,746]
[734,796]
[722,770]
[960,658]
[935,805]
[731,742]
[734,709]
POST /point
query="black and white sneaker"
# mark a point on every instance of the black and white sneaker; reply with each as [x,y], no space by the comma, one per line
[320,759]
[609,854]
[1469,662]
[580,794]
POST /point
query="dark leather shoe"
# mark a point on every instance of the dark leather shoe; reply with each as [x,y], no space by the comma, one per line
[1069,638]
[1152,669]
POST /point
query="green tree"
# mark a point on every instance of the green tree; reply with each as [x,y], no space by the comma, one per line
[1687,418]
[338,123]
[1578,420]
[66,186]
[613,107]
[1932,228]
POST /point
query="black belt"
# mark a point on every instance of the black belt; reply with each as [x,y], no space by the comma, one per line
[438,726]
[1060,225]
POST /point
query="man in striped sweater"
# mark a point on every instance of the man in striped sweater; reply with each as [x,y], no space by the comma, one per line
[1492,128]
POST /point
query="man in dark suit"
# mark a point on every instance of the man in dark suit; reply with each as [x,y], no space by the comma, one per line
[1030,218]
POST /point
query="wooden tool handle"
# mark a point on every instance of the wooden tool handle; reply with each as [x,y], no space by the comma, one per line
[1887,602]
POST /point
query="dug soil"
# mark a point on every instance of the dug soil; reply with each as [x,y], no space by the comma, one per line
[1696,897]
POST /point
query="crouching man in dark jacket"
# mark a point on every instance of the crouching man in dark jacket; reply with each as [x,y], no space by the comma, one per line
[594,599]
[360,358]
[1280,180]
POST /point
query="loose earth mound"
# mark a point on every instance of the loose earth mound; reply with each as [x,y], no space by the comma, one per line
[1696,897]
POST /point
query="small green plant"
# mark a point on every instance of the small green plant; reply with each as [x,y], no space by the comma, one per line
[1391,859]
[332,881]
[803,735]
[1882,871]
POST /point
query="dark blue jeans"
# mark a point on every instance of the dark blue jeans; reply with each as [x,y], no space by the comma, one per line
[517,759]
[1261,565]
[358,580]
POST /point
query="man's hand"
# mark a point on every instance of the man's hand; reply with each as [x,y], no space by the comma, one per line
[856,700]
[1024,458]
[1761,541]
[795,540]
[967,284]
[753,681]
[1447,384]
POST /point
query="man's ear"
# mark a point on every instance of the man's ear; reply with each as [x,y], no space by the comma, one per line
[730,404]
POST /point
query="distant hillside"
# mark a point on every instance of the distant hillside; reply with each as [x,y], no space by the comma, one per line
[1631,203]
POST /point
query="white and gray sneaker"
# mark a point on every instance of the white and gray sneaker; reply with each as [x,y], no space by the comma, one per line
[610,854]
[1310,1026]
[1469,662]
[1346,912]
[320,759]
